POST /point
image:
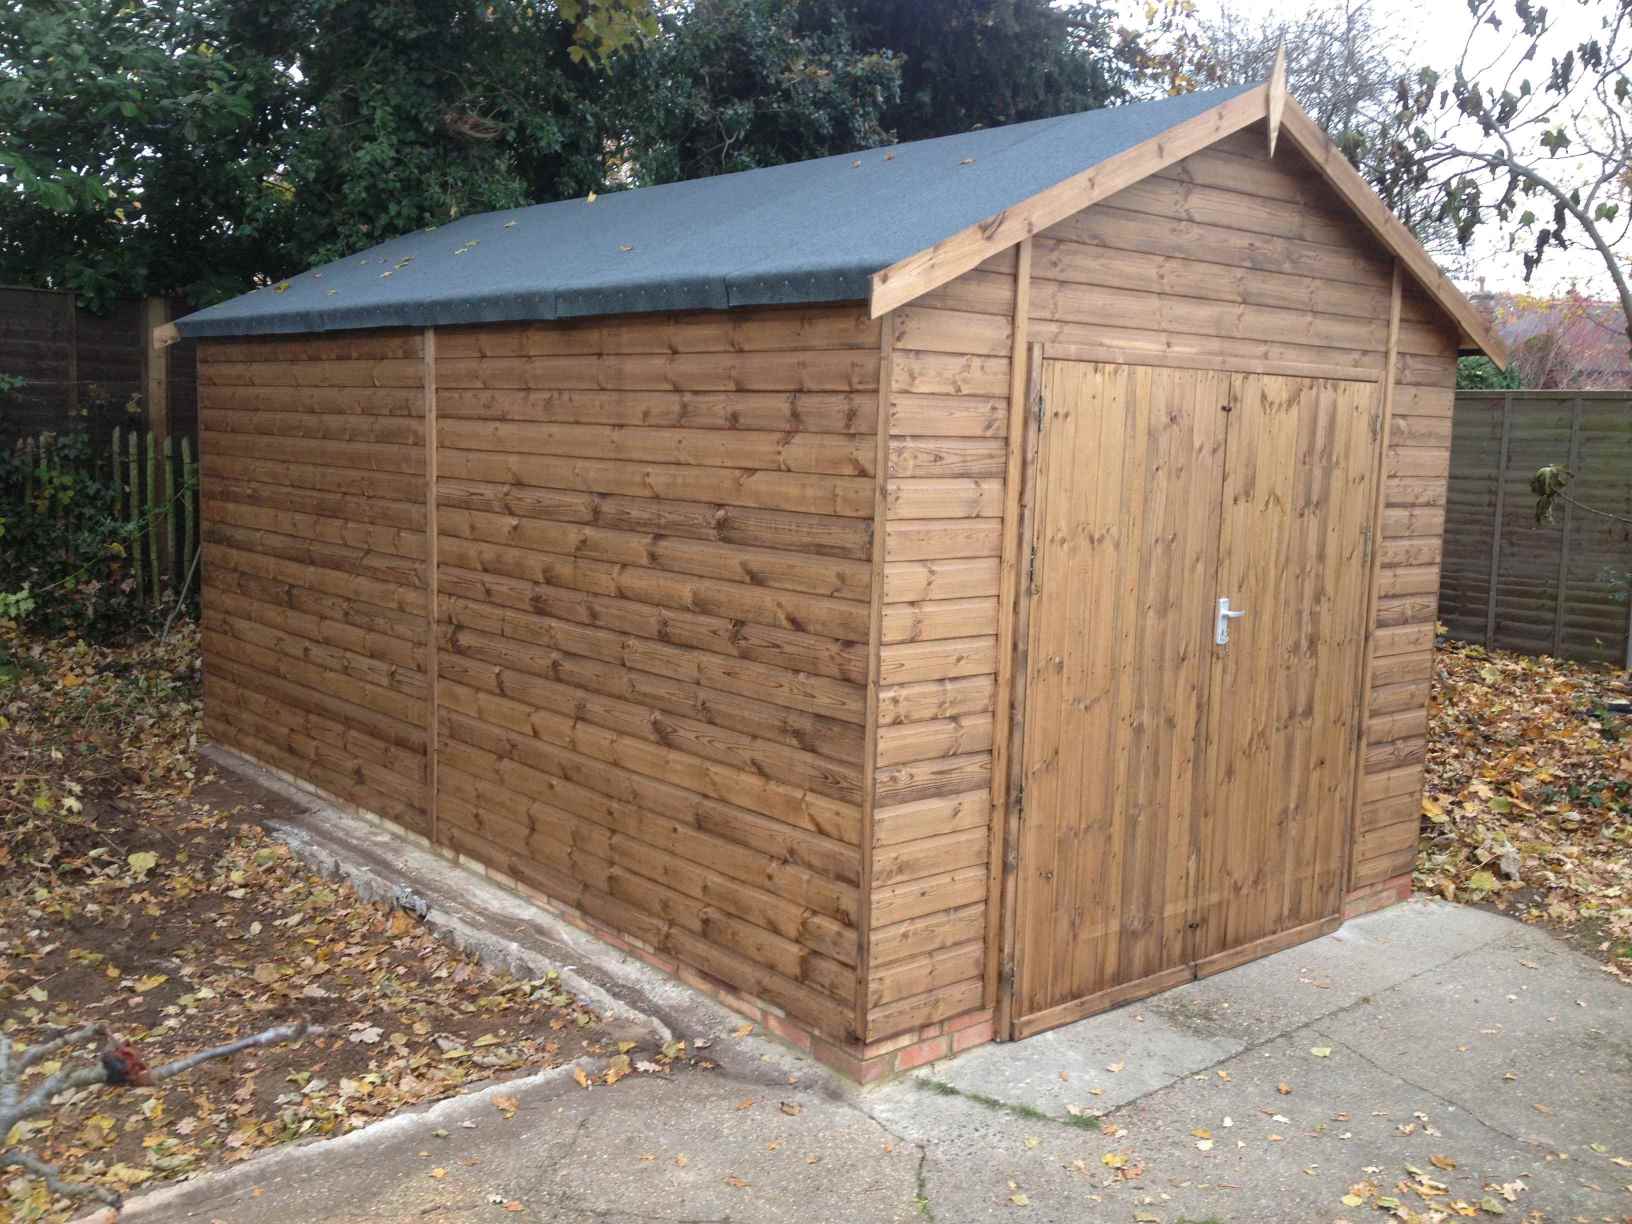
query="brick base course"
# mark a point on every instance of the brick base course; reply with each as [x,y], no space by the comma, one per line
[864,1063]
[1377,896]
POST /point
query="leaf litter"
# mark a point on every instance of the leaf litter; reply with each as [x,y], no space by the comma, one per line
[136,888]
[1528,799]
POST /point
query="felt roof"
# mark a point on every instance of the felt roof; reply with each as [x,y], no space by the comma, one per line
[813,231]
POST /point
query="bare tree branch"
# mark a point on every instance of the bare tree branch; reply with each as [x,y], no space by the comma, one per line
[52,1177]
[14,1107]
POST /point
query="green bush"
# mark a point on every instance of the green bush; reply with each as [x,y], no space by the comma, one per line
[64,552]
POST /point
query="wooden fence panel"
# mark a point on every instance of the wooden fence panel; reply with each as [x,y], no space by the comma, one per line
[1558,587]
[82,369]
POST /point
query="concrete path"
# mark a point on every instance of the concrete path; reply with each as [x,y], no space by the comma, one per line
[1484,1054]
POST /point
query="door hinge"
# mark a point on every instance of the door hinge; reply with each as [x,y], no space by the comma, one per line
[1020,800]
[1365,537]
[1031,570]
[1039,412]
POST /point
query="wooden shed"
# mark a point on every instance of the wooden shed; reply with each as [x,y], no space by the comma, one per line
[812,579]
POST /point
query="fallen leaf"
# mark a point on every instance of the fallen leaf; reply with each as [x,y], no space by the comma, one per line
[1321,1051]
[506,1105]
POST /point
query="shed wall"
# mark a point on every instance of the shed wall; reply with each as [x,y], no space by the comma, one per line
[1231,260]
[653,549]
[949,369]
[654,574]
[312,464]
[1226,260]
[671,552]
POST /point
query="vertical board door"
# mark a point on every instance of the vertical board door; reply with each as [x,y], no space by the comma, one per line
[1128,483]
[1283,724]
[1181,800]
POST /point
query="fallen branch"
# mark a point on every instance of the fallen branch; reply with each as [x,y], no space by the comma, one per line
[120,1066]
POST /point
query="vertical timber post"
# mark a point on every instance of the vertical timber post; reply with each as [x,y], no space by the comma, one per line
[875,647]
[136,541]
[156,395]
[1496,520]
[1564,544]
[1031,426]
[432,747]
[1373,579]
[1008,592]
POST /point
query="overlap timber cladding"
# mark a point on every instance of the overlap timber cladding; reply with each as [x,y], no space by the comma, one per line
[1230,260]
[943,505]
[654,574]
[312,456]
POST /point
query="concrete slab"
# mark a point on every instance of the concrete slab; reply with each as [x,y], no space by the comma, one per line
[1420,1016]
[1193,1027]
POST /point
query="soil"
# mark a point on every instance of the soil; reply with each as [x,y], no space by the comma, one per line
[218,934]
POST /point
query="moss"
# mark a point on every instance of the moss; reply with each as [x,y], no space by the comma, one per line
[1013,1109]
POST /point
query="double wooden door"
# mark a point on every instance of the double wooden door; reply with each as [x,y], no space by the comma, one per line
[1186,804]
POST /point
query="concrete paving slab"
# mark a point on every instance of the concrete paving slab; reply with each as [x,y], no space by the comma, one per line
[1300,985]
[1526,1033]
[1420,1013]
[692,1148]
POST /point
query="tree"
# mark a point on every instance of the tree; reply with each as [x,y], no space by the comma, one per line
[1546,157]
[735,84]
[411,113]
[1570,342]
[196,146]
[981,63]
[1343,65]
[1483,374]
[128,145]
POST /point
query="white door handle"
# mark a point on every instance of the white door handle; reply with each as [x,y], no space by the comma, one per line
[1221,630]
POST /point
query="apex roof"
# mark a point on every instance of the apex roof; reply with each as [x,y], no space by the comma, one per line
[813,231]
[883,225]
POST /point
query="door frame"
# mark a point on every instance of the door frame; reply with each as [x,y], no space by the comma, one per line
[1015,656]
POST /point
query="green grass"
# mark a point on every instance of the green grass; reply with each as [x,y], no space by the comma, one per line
[942,1088]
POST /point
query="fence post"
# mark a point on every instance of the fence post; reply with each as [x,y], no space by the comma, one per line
[156,395]
[154,500]
[136,543]
[117,471]
[1564,544]
[189,488]
[167,461]
[1496,521]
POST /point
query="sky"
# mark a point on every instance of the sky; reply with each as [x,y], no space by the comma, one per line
[1436,30]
